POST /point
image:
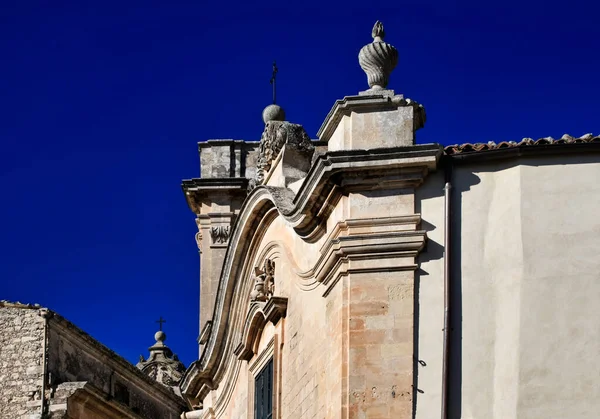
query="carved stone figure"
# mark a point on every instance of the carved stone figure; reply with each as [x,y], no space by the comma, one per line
[264,282]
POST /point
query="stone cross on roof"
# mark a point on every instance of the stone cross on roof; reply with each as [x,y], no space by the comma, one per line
[160,322]
[273,112]
[274,82]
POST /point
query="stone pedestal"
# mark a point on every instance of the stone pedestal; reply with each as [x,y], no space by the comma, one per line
[373,119]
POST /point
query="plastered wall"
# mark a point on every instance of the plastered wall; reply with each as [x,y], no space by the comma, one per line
[525,292]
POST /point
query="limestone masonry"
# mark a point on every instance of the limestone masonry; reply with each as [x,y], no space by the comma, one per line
[21,363]
[49,368]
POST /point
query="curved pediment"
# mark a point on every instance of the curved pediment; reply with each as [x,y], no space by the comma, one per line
[332,175]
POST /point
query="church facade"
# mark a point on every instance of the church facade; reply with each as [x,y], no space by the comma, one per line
[363,275]
[360,275]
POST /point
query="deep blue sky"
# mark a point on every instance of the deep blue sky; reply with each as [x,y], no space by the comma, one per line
[102,105]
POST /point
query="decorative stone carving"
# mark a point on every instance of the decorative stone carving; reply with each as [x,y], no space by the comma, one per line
[205,332]
[264,282]
[162,365]
[378,58]
[198,237]
[219,234]
[274,137]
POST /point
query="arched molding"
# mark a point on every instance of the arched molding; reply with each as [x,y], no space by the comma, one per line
[257,214]
[258,317]
[304,280]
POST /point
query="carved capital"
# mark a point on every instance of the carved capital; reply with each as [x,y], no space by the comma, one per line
[219,234]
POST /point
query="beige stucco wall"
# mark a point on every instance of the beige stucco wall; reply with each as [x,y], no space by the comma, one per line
[526,290]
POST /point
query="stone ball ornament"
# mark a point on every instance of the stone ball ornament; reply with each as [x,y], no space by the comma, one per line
[378,58]
[160,336]
[273,112]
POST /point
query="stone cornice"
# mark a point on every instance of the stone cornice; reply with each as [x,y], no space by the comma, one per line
[213,183]
[331,175]
[226,141]
[97,401]
[196,189]
[397,236]
[338,172]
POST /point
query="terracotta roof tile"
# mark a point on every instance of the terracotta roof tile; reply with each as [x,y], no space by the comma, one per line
[525,142]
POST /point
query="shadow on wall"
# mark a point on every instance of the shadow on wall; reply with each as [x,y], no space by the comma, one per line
[435,251]
[455,374]
[432,251]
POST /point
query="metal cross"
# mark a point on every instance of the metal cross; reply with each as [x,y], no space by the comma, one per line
[160,322]
[274,81]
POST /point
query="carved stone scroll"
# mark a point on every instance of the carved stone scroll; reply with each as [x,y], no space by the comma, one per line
[198,237]
[274,137]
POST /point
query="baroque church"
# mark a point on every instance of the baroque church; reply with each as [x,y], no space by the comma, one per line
[358,275]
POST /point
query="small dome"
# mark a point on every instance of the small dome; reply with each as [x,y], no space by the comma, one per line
[273,113]
[160,336]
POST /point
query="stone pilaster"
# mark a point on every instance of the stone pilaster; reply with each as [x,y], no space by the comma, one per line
[216,198]
[380,240]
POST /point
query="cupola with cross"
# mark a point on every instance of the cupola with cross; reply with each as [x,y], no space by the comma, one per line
[162,365]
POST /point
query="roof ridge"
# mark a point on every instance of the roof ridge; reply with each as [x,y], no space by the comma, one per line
[18,304]
[525,142]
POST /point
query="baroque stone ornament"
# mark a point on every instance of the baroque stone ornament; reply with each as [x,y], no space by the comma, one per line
[162,365]
[219,234]
[264,282]
[378,58]
[198,237]
[273,112]
[274,137]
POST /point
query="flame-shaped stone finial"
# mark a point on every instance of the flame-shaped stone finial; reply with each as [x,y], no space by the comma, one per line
[378,33]
[378,58]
